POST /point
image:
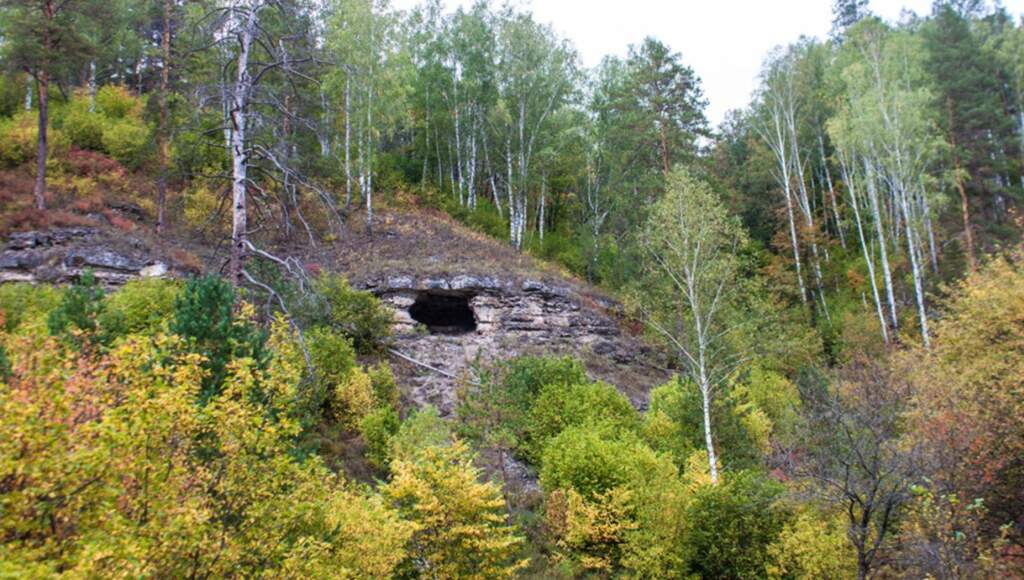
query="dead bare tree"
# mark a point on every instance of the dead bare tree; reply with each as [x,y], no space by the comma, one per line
[857,457]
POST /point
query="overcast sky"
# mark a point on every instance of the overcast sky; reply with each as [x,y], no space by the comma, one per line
[724,41]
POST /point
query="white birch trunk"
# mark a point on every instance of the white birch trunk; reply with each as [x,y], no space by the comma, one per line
[348,138]
[915,267]
[239,154]
[543,196]
[876,216]
[868,259]
[92,86]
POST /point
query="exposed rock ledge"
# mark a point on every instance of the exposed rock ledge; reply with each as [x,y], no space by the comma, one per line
[61,255]
[509,317]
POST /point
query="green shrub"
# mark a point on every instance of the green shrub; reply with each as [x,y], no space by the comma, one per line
[518,383]
[204,316]
[524,377]
[333,360]
[731,526]
[680,402]
[352,399]
[593,459]
[422,429]
[19,140]
[27,304]
[486,219]
[117,102]
[12,94]
[78,310]
[377,429]
[560,406]
[84,129]
[5,365]
[140,307]
[127,141]
[385,390]
[331,354]
[358,314]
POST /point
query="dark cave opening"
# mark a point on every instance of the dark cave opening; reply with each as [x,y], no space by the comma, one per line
[443,313]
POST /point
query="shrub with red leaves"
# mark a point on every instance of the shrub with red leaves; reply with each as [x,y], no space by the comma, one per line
[93,164]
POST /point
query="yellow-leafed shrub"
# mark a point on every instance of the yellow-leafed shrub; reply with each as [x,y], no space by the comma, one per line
[127,141]
[353,398]
[117,102]
[19,140]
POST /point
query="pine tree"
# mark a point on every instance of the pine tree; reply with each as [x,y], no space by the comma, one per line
[846,13]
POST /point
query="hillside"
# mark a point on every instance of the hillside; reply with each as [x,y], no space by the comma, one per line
[427,289]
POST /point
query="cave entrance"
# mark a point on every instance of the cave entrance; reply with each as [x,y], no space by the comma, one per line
[443,313]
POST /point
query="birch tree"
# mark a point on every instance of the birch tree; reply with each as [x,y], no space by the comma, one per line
[887,122]
[691,270]
[536,74]
[370,81]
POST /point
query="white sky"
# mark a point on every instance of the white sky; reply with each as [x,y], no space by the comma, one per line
[724,41]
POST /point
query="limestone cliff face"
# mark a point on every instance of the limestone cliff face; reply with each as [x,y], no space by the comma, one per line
[449,323]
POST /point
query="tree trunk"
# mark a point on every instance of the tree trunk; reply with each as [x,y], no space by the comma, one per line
[239,155]
[876,215]
[868,259]
[965,212]
[965,209]
[39,191]
[28,93]
[348,138]
[915,269]
[92,86]
[369,160]
[543,199]
[162,133]
[709,442]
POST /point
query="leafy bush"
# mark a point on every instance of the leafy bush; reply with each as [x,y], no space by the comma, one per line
[127,141]
[12,93]
[27,304]
[378,428]
[140,307]
[19,140]
[117,102]
[223,491]
[423,429]
[593,459]
[353,398]
[358,314]
[204,315]
[524,377]
[812,545]
[560,406]
[461,529]
[203,205]
[500,405]
[731,526]
[333,359]
[83,128]
[79,309]
[385,390]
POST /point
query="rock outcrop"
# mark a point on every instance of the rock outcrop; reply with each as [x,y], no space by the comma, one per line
[509,317]
[61,255]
